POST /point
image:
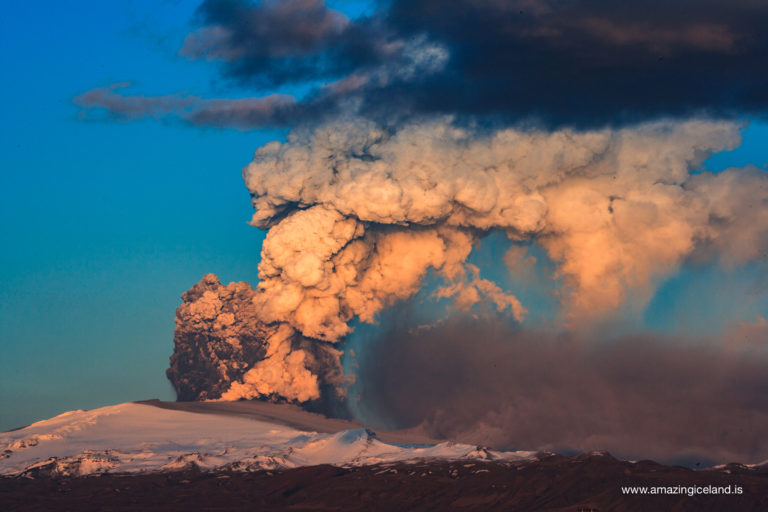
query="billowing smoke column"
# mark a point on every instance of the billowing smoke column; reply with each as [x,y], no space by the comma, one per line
[220,336]
[358,215]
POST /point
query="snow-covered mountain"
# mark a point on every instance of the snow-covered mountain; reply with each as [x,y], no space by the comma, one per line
[134,437]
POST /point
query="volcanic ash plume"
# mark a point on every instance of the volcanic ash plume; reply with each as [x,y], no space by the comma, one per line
[221,341]
[357,216]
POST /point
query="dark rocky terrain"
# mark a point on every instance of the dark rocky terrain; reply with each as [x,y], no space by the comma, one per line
[554,483]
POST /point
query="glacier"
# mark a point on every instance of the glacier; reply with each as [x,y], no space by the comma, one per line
[138,438]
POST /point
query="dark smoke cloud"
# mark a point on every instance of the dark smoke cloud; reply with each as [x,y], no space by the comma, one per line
[281,41]
[640,396]
[276,110]
[133,107]
[573,62]
[591,61]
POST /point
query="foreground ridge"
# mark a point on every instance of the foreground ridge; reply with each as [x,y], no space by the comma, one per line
[554,483]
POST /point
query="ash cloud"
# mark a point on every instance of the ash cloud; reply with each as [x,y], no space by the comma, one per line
[109,103]
[591,62]
[576,63]
[224,350]
[276,42]
[614,209]
[639,396]
[358,216]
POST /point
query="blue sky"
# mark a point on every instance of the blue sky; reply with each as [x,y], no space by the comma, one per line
[104,224]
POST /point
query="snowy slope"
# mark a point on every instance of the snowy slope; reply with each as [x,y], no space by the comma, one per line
[133,437]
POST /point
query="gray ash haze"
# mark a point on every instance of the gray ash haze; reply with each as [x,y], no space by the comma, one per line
[641,396]
[417,130]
